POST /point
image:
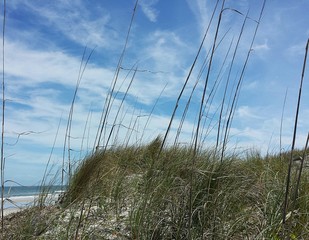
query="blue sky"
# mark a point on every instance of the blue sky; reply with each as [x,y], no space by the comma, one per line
[44,44]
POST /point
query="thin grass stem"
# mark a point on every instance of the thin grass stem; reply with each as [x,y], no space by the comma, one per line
[237,90]
[3,116]
[187,79]
[288,179]
[108,100]
[281,124]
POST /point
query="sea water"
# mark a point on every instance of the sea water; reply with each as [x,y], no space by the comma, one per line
[23,196]
[16,191]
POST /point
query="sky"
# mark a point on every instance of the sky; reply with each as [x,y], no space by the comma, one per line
[46,43]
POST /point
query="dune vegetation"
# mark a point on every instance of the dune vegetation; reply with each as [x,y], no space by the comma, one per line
[142,193]
[166,190]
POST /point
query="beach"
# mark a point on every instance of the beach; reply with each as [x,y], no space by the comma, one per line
[18,203]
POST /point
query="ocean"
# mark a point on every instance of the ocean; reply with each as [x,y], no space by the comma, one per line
[17,191]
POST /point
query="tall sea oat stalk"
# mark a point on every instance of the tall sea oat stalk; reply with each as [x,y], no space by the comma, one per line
[300,170]
[3,108]
[119,108]
[281,124]
[67,138]
[187,80]
[108,100]
[288,179]
[238,87]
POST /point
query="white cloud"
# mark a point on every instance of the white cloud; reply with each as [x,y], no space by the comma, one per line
[245,112]
[76,22]
[165,45]
[297,49]
[250,85]
[31,68]
[148,9]
[166,56]
[261,47]
[201,11]
[40,66]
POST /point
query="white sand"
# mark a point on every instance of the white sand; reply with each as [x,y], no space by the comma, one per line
[10,210]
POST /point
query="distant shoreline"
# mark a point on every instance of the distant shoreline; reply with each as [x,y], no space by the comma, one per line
[18,203]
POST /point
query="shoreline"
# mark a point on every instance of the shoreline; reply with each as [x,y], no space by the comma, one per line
[18,203]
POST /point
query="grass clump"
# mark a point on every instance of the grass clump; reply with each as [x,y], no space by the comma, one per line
[141,193]
[239,197]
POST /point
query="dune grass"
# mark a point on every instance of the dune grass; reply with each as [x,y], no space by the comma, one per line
[240,197]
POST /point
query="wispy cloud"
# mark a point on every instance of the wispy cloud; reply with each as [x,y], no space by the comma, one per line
[35,66]
[43,50]
[165,55]
[149,10]
[202,11]
[74,21]
[166,51]
[246,112]
[253,85]
[261,47]
[297,49]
